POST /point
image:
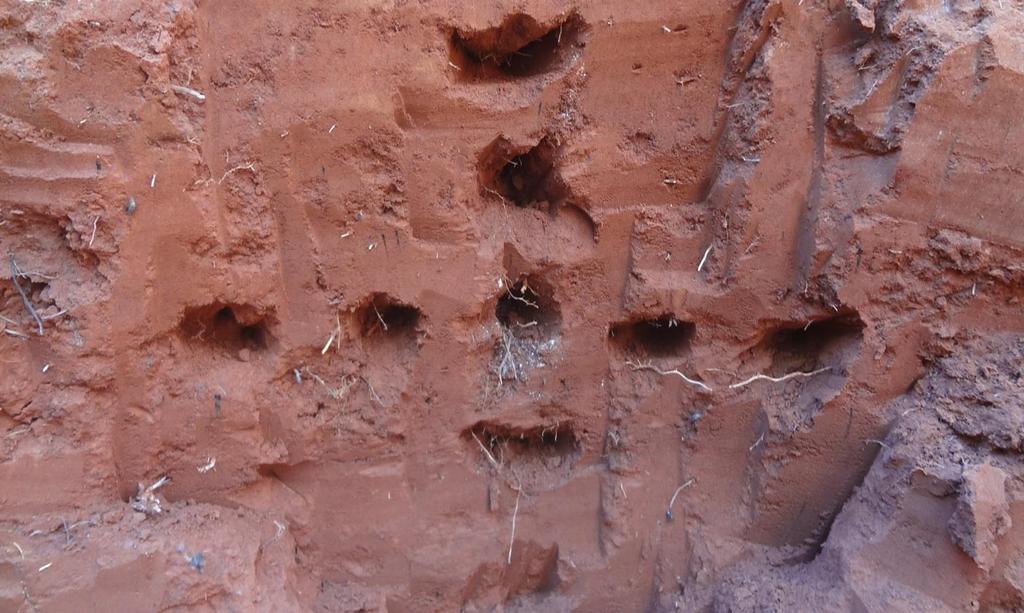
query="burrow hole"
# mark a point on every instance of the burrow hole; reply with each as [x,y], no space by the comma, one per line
[535,449]
[12,306]
[529,320]
[662,336]
[228,326]
[831,343]
[388,317]
[523,176]
[519,47]
[382,316]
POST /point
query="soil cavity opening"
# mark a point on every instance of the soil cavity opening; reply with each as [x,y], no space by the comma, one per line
[227,326]
[384,317]
[510,442]
[529,320]
[523,176]
[663,336]
[832,343]
[534,457]
[519,47]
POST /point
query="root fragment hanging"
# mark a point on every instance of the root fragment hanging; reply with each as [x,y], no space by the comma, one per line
[15,273]
[188,91]
[704,258]
[668,512]
[515,513]
[94,222]
[665,373]
[490,456]
[251,167]
[792,375]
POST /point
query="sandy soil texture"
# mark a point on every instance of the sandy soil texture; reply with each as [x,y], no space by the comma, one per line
[511,306]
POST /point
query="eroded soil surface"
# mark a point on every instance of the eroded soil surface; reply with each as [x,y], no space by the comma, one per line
[521,306]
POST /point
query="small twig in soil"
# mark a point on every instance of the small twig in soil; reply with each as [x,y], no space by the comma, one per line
[205,468]
[515,513]
[280,528]
[668,513]
[10,332]
[704,258]
[313,375]
[94,222]
[508,359]
[373,393]
[792,375]
[757,442]
[379,318]
[523,288]
[188,91]
[875,441]
[24,298]
[152,181]
[490,456]
[640,366]
[55,315]
[623,491]
[327,345]
[20,550]
[251,167]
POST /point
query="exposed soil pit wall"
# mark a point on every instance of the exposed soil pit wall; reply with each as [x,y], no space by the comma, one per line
[446,306]
[518,47]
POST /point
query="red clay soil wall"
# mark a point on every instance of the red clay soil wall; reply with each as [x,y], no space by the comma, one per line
[521,306]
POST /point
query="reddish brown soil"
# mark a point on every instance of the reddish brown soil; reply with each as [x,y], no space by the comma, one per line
[430,306]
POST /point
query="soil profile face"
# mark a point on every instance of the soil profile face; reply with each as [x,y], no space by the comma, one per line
[495,306]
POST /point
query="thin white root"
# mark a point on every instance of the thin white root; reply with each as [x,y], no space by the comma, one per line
[704,259]
[251,166]
[55,315]
[188,91]
[490,456]
[373,393]
[513,539]
[639,366]
[93,237]
[205,468]
[792,375]
[158,484]
[327,345]
[668,512]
